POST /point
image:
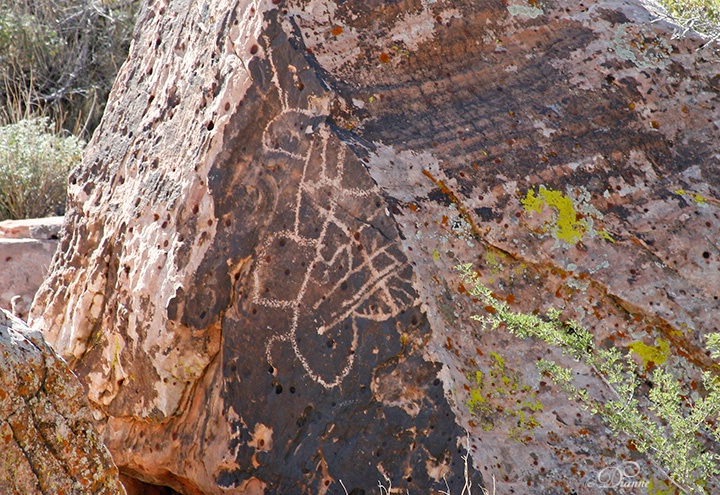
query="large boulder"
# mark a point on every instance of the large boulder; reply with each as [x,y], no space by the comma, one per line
[26,248]
[49,443]
[257,283]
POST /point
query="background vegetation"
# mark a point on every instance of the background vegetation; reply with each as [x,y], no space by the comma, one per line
[59,58]
[671,423]
[702,16]
[34,166]
[58,62]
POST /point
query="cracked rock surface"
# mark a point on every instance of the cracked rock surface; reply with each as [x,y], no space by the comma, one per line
[48,442]
[256,280]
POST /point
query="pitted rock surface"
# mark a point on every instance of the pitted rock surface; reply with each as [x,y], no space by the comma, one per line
[49,443]
[257,279]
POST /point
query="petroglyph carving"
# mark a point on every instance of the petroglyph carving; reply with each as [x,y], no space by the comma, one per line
[343,265]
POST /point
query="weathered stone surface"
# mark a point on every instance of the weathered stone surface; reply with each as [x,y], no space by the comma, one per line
[49,444]
[26,248]
[257,280]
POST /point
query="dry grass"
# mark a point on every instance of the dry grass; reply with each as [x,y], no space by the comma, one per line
[466,490]
[701,16]
[59,58]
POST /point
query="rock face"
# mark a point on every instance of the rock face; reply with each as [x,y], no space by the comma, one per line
[26,248]
[256,282]
[49,444]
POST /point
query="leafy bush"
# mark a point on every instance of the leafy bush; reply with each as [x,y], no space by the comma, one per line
[666,424]
[60,57]
[34,167]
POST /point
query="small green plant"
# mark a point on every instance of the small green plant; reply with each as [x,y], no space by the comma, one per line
[665,424]
[702,16]
[34,167]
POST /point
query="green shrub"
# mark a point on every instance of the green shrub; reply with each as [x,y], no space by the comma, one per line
[702,16]
[34,167]
[59,58]
[665,424]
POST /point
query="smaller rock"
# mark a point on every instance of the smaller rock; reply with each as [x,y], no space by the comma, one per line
[26,248]
[48,444]
[32,228]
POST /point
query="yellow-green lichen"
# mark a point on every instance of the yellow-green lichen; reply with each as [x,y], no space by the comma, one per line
[524,423]
[403,52]
[606,236]
[499,360]
[494,260]
[697,198]
[490,394]
[572,219]
[477,401]
[659,487]
[116,353]
[567,226]
[651,354]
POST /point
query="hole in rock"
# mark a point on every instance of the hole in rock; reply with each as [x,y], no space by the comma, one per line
[133,485]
